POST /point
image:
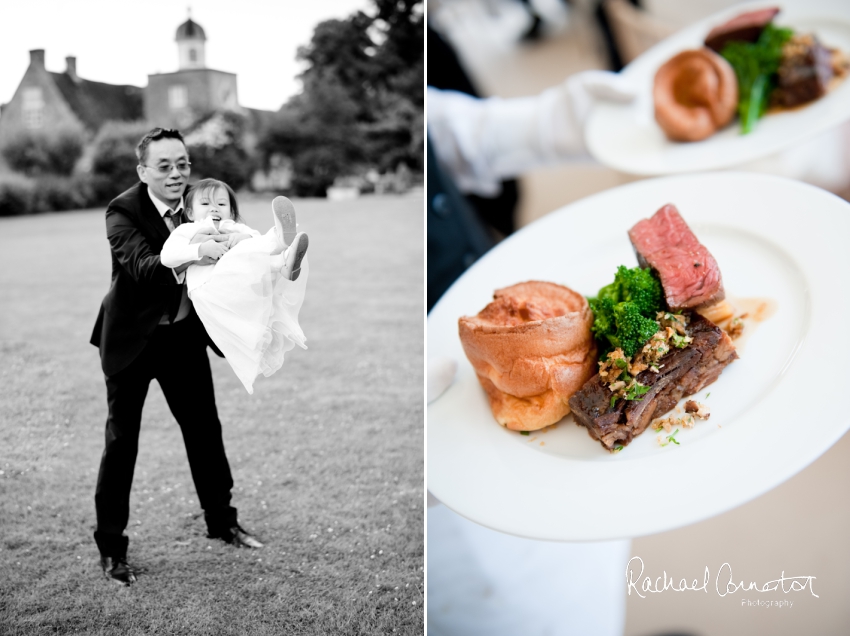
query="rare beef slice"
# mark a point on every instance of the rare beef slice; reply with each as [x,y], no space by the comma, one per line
[688,272]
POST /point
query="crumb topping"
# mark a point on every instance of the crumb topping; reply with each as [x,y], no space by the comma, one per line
[693,410]
[685,420]
[619,372]
[697,409]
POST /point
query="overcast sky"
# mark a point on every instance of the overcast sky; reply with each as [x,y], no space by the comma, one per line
[122,42]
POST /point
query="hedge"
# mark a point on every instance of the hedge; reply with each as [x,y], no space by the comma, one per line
[36,152]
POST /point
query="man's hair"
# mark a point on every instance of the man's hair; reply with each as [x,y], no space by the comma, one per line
[155,135]
[208,185]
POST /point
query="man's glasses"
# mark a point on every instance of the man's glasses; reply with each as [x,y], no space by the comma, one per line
[165,168]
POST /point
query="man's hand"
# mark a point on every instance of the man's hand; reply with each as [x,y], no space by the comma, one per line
[213,249]
[205,234]
[213,246]
[182,268]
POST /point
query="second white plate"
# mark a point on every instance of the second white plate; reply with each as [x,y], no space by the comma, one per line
[627,138]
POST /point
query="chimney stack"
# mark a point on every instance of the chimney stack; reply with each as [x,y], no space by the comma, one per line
[37,57]
[71,67]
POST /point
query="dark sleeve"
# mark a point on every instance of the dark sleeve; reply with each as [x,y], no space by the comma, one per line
[133,251]
[457,237]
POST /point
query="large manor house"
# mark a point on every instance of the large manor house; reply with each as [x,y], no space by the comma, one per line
[46,100]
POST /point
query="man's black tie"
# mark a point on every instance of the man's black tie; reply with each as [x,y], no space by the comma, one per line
[174,306]
[176,218]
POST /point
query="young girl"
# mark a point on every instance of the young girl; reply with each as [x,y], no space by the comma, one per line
[250,298]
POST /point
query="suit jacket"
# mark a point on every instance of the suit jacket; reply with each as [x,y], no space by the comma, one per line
[142,288]
[457,236]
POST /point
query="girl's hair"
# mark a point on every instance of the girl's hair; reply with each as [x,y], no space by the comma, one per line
[208,185]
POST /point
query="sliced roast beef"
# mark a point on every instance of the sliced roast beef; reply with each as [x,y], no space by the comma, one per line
[683,372]
[688,272]
[804,72]
[746,27]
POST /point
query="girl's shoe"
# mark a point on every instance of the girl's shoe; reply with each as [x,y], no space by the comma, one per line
[284,219]
[294,255]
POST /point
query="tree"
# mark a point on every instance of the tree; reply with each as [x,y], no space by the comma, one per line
[319,132]
[216,150]
[401,62]
[362,101]
[401,22]
[114,158]
[340,53]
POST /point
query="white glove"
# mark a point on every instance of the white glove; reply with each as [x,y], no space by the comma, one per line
[482,141]
[587,87]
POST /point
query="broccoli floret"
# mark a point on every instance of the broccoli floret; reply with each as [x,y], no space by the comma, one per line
[624,311]
[612,292]
[603,312]
[633,330]
[639,286]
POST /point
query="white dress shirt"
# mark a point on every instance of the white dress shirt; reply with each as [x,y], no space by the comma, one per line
[185,306]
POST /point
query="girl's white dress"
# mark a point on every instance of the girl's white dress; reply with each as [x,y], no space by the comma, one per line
[248,308]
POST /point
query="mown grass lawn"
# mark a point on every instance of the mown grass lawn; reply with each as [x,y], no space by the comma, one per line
[327,455]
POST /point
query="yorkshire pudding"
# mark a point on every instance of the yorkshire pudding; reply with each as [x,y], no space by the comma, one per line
[695,95]
[532,349]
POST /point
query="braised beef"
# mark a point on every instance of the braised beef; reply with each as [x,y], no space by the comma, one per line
[683,372]
[804,73]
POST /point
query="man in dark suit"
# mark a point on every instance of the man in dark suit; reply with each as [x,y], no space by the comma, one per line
[457,237]
[146,330]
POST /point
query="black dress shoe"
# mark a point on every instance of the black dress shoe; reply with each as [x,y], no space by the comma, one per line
[241,539]
[116,568]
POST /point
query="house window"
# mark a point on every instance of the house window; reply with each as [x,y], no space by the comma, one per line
[193,55]
[33,107]
[178,97]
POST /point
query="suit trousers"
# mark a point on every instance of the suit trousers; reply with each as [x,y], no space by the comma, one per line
[176,357]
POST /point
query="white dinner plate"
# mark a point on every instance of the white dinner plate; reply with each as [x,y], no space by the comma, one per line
[773,411]
[627,138]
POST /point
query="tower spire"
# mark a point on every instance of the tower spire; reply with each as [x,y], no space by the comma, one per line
[190,44]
